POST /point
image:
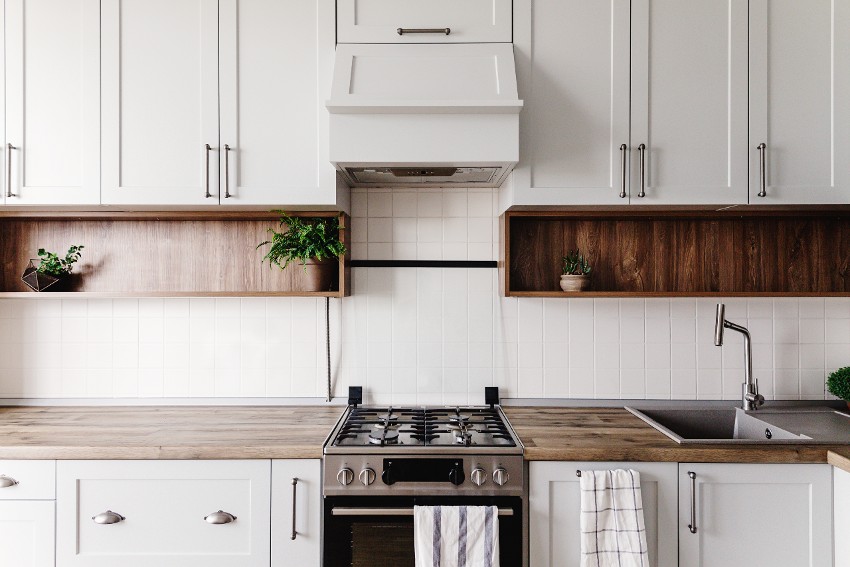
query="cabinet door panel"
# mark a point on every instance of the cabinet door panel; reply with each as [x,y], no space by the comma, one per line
[555,511]
[26,533]
[756,515]
[799,78]
[306,548]
[573,72]
[160,101]
[53,101]
[689,101]
[165,504]
[470,21]
[273,91]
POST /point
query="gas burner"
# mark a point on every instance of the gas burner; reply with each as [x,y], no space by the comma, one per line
[381,435]
[459,419]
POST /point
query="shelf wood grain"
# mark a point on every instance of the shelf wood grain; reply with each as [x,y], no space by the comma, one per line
[679,254]
[159,255]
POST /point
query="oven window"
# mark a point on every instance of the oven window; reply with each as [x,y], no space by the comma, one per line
[364,540]
[382,543]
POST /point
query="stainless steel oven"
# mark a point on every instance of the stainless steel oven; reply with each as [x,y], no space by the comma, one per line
[381,462]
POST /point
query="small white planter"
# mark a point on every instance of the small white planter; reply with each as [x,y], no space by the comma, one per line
[574,283]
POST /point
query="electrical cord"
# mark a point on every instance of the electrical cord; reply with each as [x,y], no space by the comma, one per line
[328,342]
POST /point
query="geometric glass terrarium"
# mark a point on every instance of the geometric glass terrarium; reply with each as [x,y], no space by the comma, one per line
[38,281]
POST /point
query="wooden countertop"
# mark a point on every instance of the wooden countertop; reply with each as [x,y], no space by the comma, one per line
[298,432]
[166,432]
[613,434]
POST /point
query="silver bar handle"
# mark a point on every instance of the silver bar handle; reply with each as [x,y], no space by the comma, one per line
[7,481]
[207,150]
[226,172]
[443,31]
[392,512]
[623,148]
[294,485]
[107,518]
[693,525]
[9,148]
[763,179]
[642,152]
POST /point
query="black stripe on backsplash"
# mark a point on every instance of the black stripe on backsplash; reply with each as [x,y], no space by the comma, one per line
[424,264]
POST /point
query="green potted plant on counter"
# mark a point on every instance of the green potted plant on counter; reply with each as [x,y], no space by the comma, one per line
[838,384]
[312,242]
[576,272]
[52,270]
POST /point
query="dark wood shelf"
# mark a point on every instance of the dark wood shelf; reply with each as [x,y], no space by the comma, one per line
[679,253]
[174,254]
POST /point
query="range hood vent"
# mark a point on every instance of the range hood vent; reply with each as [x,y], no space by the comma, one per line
[421,115]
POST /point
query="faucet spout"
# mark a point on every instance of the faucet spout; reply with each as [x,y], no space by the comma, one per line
[750,397]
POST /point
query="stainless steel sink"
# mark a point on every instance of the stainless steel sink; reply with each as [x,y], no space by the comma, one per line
[815,425]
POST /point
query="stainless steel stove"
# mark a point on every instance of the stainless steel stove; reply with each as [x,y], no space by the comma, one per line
[381,461]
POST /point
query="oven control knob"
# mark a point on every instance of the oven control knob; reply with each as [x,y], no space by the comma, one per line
[478,476]
[500,476]
[345,476]
[456,476]
[387,476]
[367,476]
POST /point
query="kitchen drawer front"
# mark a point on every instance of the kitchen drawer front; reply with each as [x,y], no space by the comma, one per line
[378,21]
[163,504]
[36,480]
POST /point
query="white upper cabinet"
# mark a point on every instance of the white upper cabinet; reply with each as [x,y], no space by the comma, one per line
[736,515]
[799,88]
[572,59]
[689,102]
[467,21]
[276,63]
[52,102]
[160,102]
[642,102]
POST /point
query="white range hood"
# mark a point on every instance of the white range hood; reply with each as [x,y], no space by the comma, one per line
[424,115]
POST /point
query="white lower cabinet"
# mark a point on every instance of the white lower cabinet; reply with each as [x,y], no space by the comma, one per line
[143,513]
[27,513]
[555,511]
[296,513]
[755,515]
[841,497]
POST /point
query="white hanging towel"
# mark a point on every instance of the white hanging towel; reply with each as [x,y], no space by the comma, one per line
[613,533]
[456,536]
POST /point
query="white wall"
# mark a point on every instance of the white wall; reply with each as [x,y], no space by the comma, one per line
[418,335]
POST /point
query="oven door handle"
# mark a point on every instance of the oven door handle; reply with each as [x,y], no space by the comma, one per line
[391,512]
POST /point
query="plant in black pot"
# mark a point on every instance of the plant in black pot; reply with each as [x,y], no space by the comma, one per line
[838,384]
[52,270]
[312,242]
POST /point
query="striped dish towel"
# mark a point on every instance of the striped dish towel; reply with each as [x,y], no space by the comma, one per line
[456,536]
[613,533]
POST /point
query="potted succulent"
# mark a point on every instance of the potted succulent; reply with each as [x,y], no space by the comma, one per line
[312,242]
[838,384]
[576,272]
[52,270]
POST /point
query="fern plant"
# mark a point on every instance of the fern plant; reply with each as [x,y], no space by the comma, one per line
[575,264]
[302,240]
[58,267]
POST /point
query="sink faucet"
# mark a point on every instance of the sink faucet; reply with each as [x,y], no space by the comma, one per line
[750,397]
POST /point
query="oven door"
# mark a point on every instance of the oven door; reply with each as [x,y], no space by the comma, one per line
[378,531]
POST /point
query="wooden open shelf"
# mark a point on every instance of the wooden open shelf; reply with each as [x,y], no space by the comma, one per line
[179,254]
[679,254]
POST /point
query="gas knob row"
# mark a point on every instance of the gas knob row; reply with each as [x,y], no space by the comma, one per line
[346,476]
[479,476]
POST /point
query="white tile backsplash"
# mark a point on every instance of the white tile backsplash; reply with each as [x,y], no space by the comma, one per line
[418,335]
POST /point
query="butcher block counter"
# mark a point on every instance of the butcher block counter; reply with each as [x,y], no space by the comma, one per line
[166,432]
[613,434]
[298,432]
